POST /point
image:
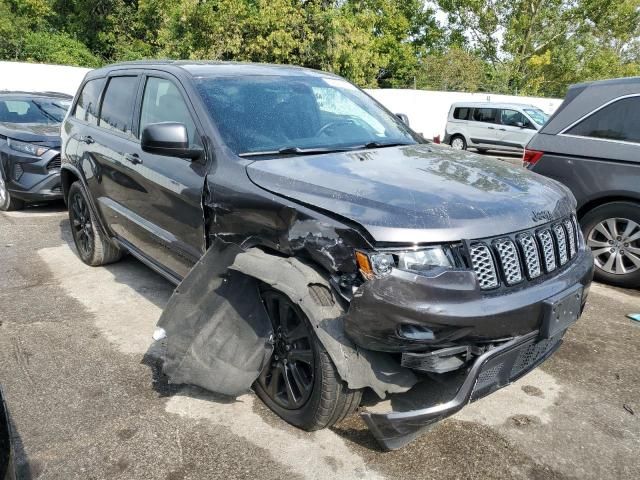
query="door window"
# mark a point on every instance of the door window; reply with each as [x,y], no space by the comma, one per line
[88,101]
[511,118]
[617,121]
[117,107]
[163,102]
[487,115]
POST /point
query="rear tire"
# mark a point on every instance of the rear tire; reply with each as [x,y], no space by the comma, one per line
[328,400]
[458,142]
[8,203]
[93,247]
[612,232]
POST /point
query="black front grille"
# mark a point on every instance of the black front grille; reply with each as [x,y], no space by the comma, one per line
[54,164]
[505,260]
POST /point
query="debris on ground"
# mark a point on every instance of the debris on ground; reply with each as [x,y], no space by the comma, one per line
[628,408]
[634,316]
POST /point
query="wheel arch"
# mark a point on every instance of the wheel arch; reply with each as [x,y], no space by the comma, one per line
[67,177]
[603,200]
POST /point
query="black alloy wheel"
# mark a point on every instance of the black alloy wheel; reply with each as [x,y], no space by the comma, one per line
[81,224]
[289,378]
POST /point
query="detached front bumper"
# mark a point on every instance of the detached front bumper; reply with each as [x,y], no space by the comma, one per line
[32,179]
[491,371]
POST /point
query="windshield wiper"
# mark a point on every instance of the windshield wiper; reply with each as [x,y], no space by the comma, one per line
[294,151]
[384,145]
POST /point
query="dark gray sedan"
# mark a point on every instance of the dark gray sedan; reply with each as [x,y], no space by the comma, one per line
[592,145]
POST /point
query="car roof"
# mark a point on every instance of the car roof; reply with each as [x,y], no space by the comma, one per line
[493,105]
[583,98]
[19,94]
[200,69]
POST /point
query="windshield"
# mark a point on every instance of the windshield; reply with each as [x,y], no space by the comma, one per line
[47,111]
[537,115]
[262,114]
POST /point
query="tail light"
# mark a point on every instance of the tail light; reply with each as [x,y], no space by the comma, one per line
[436,139]
[531,157]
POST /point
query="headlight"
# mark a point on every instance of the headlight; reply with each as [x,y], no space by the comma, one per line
[420,260]
[28,148]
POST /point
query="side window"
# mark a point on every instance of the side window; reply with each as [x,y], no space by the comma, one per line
[487,115]
[87,105]
[163,102]
[617,121]
[461,113]
[512,118]
[117,106]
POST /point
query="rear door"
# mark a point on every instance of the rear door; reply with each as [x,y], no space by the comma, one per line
[515,129]
[165,200]
[483,126]
[105,147]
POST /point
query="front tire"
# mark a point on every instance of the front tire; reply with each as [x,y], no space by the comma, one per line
[7,202]
[300,383]
[612,231]
[458,142]
[93,247]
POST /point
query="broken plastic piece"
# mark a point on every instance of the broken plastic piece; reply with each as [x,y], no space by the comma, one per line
[634,316]
[218,333]
[159,334]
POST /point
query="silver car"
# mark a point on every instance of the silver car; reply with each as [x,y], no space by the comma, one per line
[492,126]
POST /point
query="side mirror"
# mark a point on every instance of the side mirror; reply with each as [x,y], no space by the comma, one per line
[519,124]
[168,138]
[404,118]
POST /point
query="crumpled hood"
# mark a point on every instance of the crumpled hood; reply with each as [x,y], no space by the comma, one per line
[48,135]
[418,193]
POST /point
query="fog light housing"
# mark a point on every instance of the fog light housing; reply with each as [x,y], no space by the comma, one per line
[17,171]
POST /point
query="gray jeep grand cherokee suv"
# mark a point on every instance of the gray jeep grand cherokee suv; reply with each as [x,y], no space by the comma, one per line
[322,249]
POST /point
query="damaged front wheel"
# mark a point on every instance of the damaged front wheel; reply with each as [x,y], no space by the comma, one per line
[300,383]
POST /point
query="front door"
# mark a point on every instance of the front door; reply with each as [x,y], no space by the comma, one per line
[515,129]
[167,205]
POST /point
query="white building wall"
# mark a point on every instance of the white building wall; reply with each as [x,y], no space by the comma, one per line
[427,110]
[39,77]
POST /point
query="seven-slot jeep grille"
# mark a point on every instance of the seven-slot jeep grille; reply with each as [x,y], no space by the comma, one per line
[509,260]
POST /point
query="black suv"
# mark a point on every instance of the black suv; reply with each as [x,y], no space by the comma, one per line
[320,246]
[30,147]
[592,145]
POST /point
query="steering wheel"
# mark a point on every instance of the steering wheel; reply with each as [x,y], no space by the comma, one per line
[326,127]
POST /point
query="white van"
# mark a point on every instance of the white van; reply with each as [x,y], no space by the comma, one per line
[492,126]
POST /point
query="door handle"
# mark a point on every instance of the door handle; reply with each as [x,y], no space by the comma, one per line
[491,128]
[133,158]
[88,139]
[503,129]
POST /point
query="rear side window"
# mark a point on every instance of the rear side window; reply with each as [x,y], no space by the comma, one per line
[461,113]
[617,121]
[117,106]
[88,101]
[485,115]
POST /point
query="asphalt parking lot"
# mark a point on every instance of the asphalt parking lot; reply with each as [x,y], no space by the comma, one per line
[88,402]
